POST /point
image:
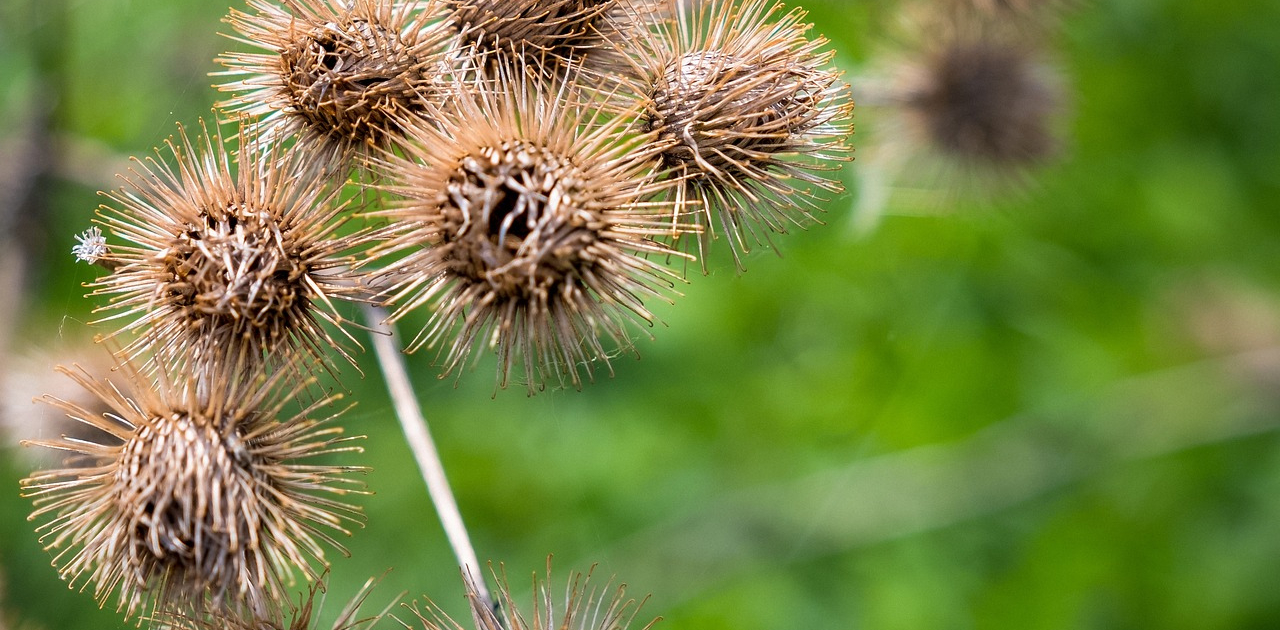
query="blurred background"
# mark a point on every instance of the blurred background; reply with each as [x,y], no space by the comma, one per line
[1055,405]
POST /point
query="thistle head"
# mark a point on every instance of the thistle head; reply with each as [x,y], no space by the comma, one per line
[545,30]
[336,75]
[302,615]
[970,106]
[526,225]
[584,607]
[984,100]
[754,116]
[223,265]
[203,495]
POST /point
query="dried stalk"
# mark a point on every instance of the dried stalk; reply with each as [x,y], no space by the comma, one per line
[416,431]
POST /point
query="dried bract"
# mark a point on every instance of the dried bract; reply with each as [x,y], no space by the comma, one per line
[755,118]
[526,227]
[585,608]
[336,74]
[205,497]
[228,266]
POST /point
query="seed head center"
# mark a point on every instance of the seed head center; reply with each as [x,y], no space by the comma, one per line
[987,101]
[238,264]
[183,485]
[517,218]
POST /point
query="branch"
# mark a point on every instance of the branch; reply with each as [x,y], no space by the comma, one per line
[386,346]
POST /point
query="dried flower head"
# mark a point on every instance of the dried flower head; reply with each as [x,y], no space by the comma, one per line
[527,227]
[964,108]
[972,113]
[984,100]
[585,608]
[755,118]
[543,31]
[228,266]
[204,497]
[336,74]
[299,616]
[973,106]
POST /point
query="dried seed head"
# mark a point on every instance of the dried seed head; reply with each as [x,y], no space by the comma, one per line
[204,498]
[965,109]
[533,29]
[336,74]
[228,267]
[754,116]
[585,608]
[300,616]
[986,101]
[527,228]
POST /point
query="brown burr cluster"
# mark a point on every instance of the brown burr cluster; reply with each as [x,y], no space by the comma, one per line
[517,177]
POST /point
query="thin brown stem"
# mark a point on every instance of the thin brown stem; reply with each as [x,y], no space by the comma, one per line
[416,431]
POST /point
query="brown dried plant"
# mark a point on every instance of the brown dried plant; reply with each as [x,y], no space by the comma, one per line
[205,498]
[755,118]
[985,101]
[973,102]
[229,265]
[299,616]
[545,33]
[526,225]
[336,74]
[585,608]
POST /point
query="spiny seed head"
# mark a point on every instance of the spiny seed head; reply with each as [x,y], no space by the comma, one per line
[729,108]
[971,106]
[965,106]
[585,607]
[526,227]
[754,117]
[986,101]
[203,497]
[336,74]
[536,30]
[299,616]
[228,265]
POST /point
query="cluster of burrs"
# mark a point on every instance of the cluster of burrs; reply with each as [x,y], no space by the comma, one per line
[529,174]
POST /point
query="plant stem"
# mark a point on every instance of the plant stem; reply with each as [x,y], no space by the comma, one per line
[387,348]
